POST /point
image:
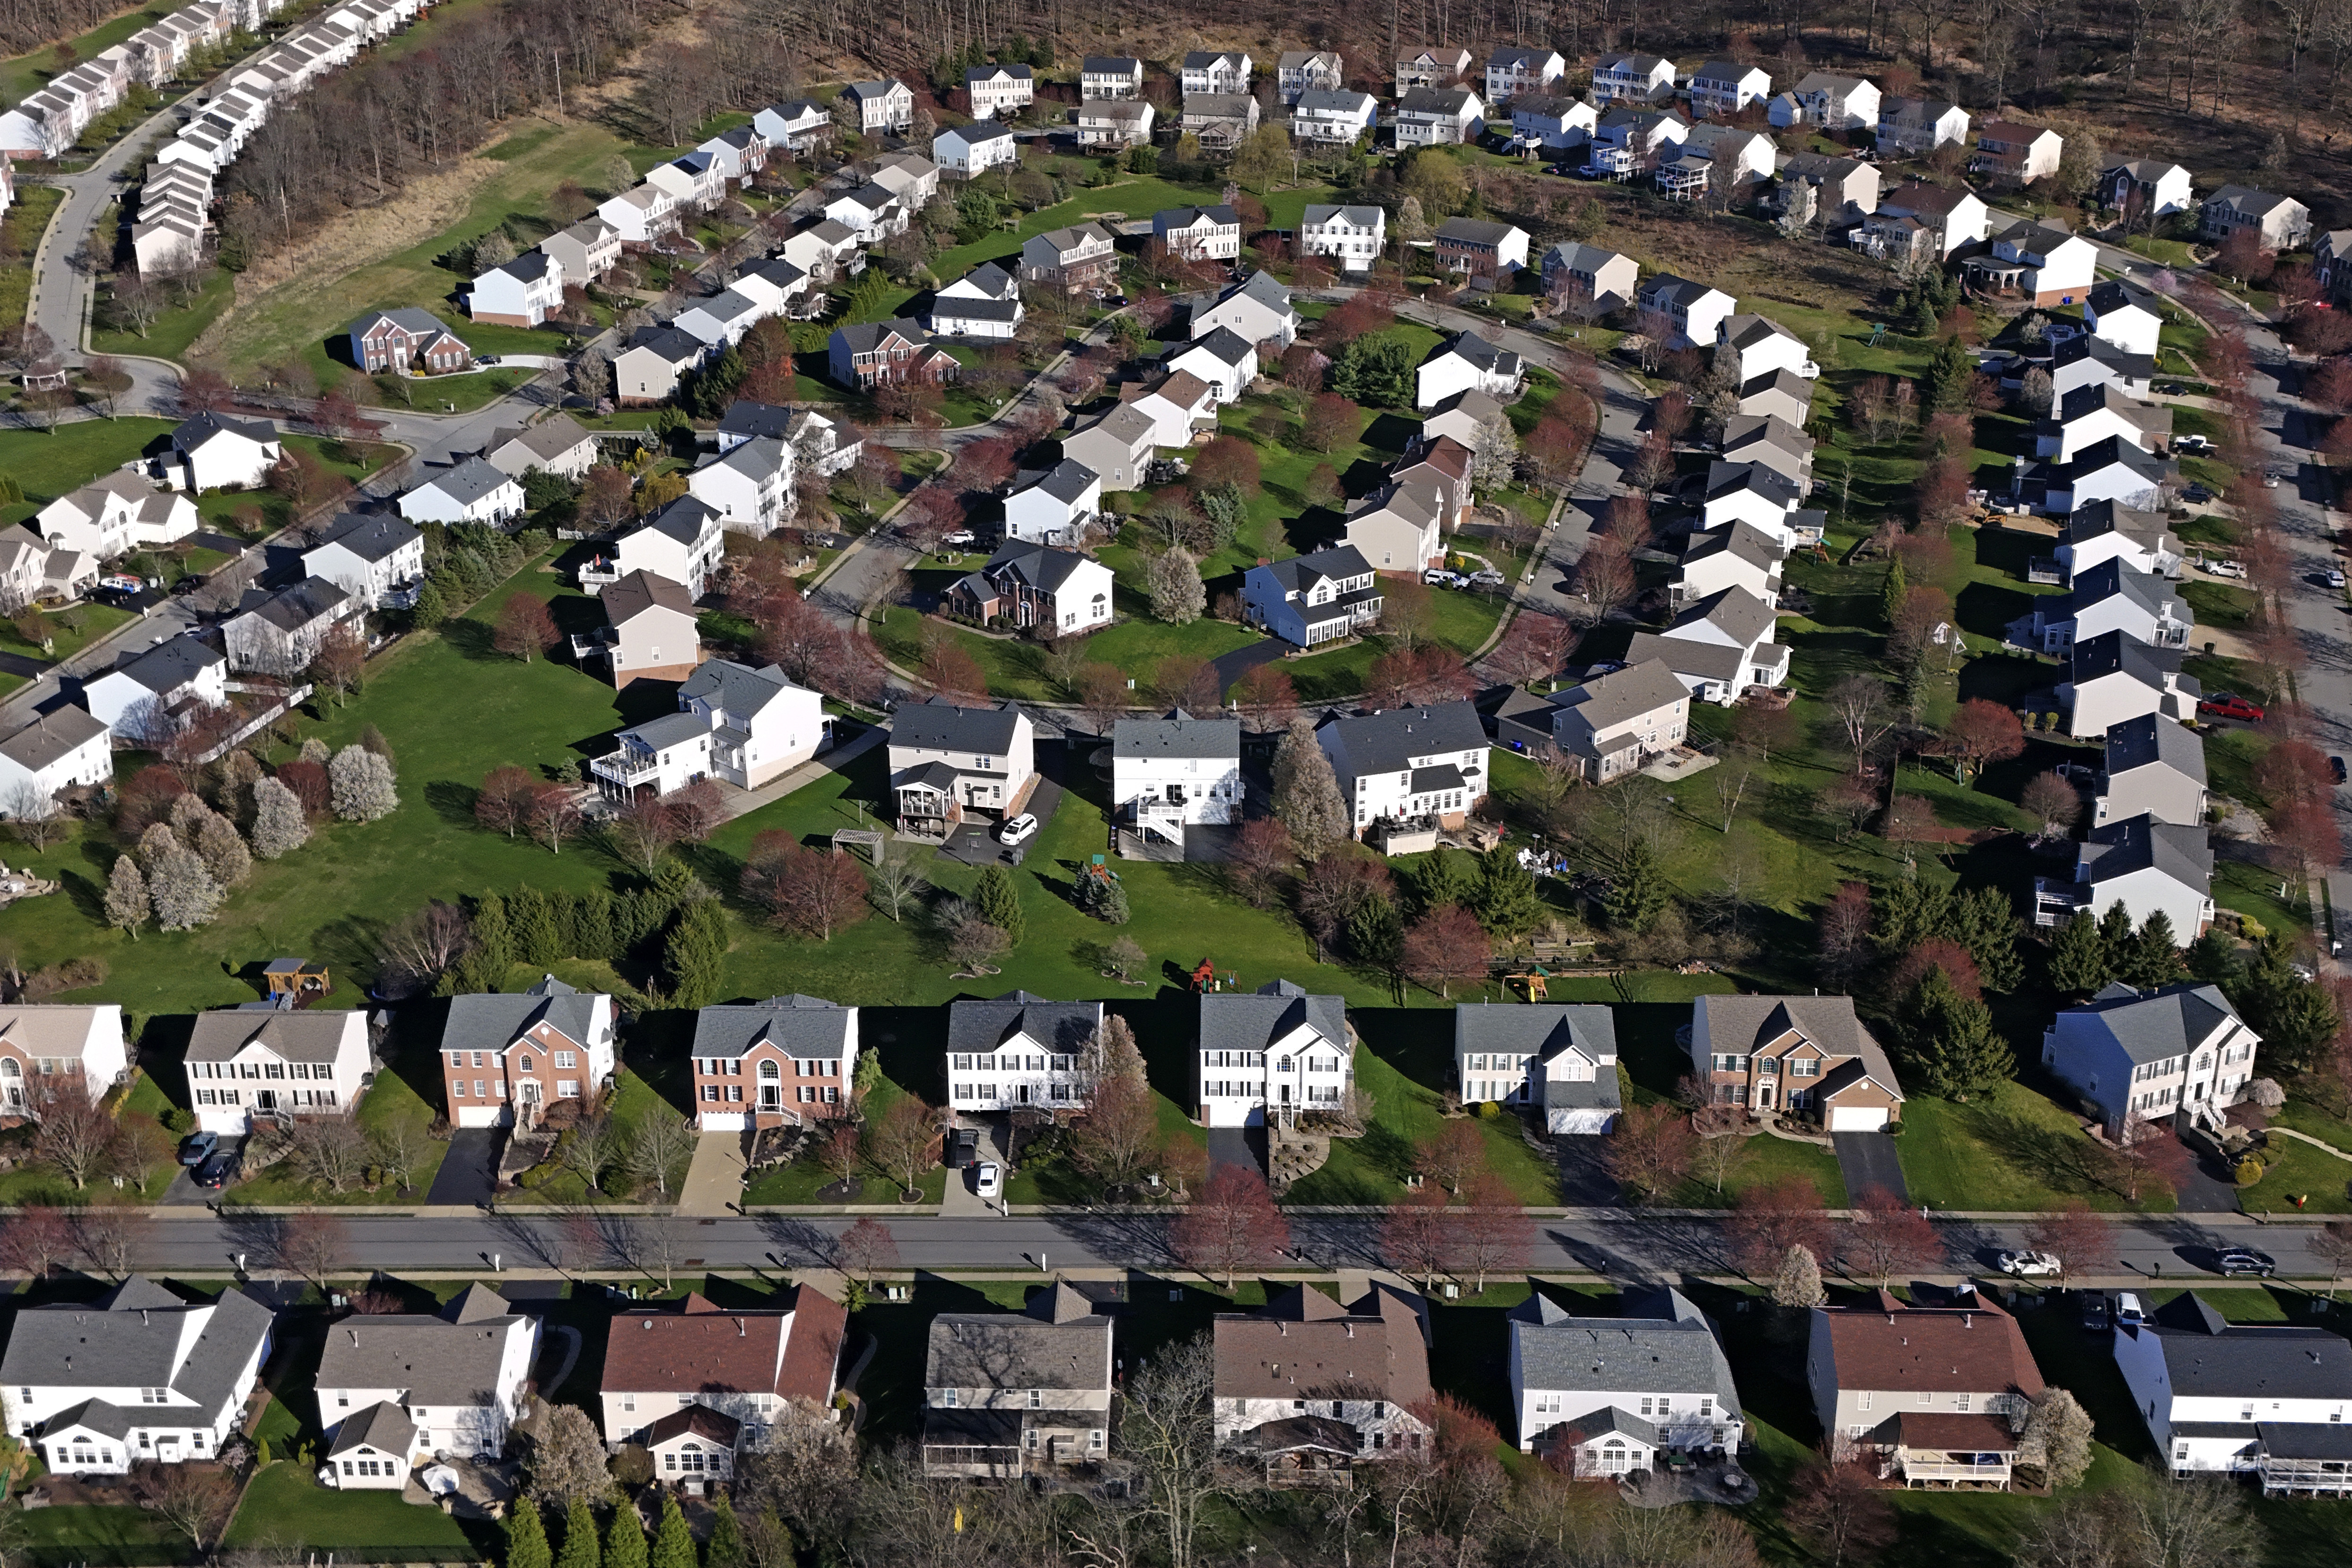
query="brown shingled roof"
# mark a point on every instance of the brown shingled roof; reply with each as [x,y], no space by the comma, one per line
[1929,1349]
[1305,1345]
[703,1348]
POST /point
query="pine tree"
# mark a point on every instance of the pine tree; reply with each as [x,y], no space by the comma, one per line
[624,1540]
[1376,932]
[695,956]
[579,1538]
[2078,957]
[2212,960]
[673,1542]
[1638,894]
[127,904]
[1444,876]
[537,942]
[430,607]
[1507,903]
[279,825]
[527,1537]
[2116,937]
[1984,923]
[223,853]
[183,892]
[361,785]
[725,1547]
[592,925]
[999,902]
[1949,375]
[1890,595]
[1953,1047]
[1306,797]
[2153,958]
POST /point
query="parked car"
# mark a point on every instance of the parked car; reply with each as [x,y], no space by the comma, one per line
[1017,829]
[2096,1312]
[963,1147]
[2029,1265]
[2336,576]
[991,1178]
[2128,1313]
[2197,493]
[198,1148]
[2269,481]
[2192,443]
[2335,767]
[486,359]
[217,1170]
[2237,1261]
[1439,577]
[2222,568]
[962,536]
[2227,705]
[2170,388]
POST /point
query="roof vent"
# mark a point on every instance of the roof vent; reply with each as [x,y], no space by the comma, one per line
[1968,1319]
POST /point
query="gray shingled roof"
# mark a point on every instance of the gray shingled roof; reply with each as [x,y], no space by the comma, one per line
[1016,1351]
[1478,352]
[492,1021]
[434,1359]
[1445,101]
[2137,366]
[1359,217]
[1109,65]
[170,664]
[1474,231]
[1039,565]
[940,725]
[2112,651]
[747,418]
[50,737]
[1624,694]
[980,1027]
[684,519]
[1178,735]
[383,1427]
[2205,1357]
[1538,1028]
[2156,1025]
[2138,843]
[1739,1024]
[808,1027]
[738,688]
[1724,478]
[132,1338]
[1228,346]
[2150,739]
[315,1035]
[2094,519]
[1255,1020]
[191,434]
[2112,578]
[469,483]
[1384,742]
[1663,1345]
[371,536]
[2115,294]
[1297,573]
[1742,539]
[91,1416]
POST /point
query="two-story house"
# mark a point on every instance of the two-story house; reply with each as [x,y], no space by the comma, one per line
[724,319]
[1313,599]
[1588,276]
[1918,126]
[1617,1393]
[1717,647]
[999,90]
[1753,346]
[1036,587]
[587,250]
[1735,156]
[881,106]
[1844,190]
[824,250]
[1221,357]
[1680,313]
[1117,447]
[868,354]
[1917,220]
[649,369]
[1116,122]
[115,515]
[1806,1057]
[1432,66]
[2279,223]
[1439,117]
[970,151]
[53,1053]
[1220,121]
[2154,766]
[750,485]
[2106,529]
[218,451]
[2175,1050]
[1007,1394]
[2143,865]
[2124,314]
[1625,142]
[1554,1059]
[279,634]
[1467,362]
[1408,763]
[1614,724]
[1510,72]
[1771,441]
[557,445]
[639,216]
[2112,677]
[453,1379]
[683,542]
[1268,1054]
[947,761]
[1054,507]
[1721,89]
[1199,234]
[2012,150]
[872,211]
[471,491]
[505,1058]
[653,634]
[1019,1052]
[1306,1386]
[245,1066]
[63,749]
[146,687]
[1638,78]
[2152,186]
[697,1384]
[1828,101]
[1484,255]
[404,341]
[1110,76]
[2089,414]
[983,305]
[1552,122]
[2091,360]
[784,1062]
[519,293]
[138,1376]
[1257,310]
[375,557]
[2113,596]
[2261,1399]
[1176,773]
[1080,257]
[1179,406]
[1301,71]
[1400,527]
[734,724]
[1333,118]
[1930,1389]
[1207,70]
[2035,261]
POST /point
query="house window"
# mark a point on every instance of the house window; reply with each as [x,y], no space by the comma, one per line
[1861,1400]
[566,1060]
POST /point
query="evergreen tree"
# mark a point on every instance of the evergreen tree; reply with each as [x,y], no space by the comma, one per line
[2116,937]
[527,1537]
[695,957]
[673,1542]
[725,1547]
[1444,876]
[2212,960]
[999,902]
[1507,903]
[579,1538]
[183,891]
[127,904]
[1984,923]
[1305,793]
[625,1538]
[1890,594]
[591,936]
[2078,957]
[2153,958]
[493,935]
[279,825]
[536,940]
[1952,1046]
[1950,375]
[432,606]
[1376,932]
[2295,1017]
[1639,893]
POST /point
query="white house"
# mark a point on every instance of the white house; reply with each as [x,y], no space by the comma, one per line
[999,90]
[1168,774]
[1768,439]
[1759,345]
[1439,117]
[1845,190]
[454,1377]
[1734,155]
[1618,1393]
[640,215]
[2154,766]
[972,150]
[1116,446]
[279,634]
[2124,315]
[2114,677]
[1312,598]
[2100,412]
[1510,72]
[115,515]
[1465,363]
[245,1065]
[797,125]
[695,1384]
[1055,593]
[722,320]
[1006,1394]
[683,542]
[2145,866]
[520,293]
[139,1375]
[2110,468]
[1205,70]
[1614,724]
[1552,122]
[1680,313]
[1111,77]
[872,211]
[1021,1052]
[1829,101]
[1626,141]
[1642,78]
[2111,596]
[823,249]
[946,761]
[1720,89]
[1556,1057]
[1333,117]
[2089,360]
[2014,150]
[63,749]
[2175,1050]
[1199,234]
[372,556]
[881,106]
[750,485]
[1353,235]
[911,177]
[2045,265]
[2265,1399]
[1257,310]
[2279,223]
[55,1049]
[1178,405]
[1915,126]
[218,451]
[1221,357]
[1718,646]
[1116,122]
[473,491]
[149,683]
[1268,1054]
[1758,494]
[1056,507]
[1304,1384]
[2146,185]
[736,724]
[1408,763]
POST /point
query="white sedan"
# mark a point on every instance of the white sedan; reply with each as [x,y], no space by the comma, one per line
[2029,1265]
[1017,829]
[991,1180]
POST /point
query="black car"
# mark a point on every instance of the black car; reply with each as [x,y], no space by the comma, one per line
[2096,1317]
[2236,1260]
[963,1147]
[2197,493]
[218,1170]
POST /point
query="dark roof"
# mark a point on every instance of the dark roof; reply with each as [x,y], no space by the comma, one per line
[668,343]
[1293,1433]
[491,1021]
[2139,367]
[1299,573]
[1541,1030]
[141,1338]
[2149,739]
[983,73]
[2116,578]
[695,1421]
[802,1026]
[737,689]
[2115,294]
[2112,651]
[1606,701]
[1012,1350]
[371,536]
[865,337]
[2305,1439]
[315,1035]
[1178,735]
[940,724]
[641,591]
[750,420]
[191,434]
[1470,346]
[684,519]
[2138,843]
[1446,101]
[1386,742]
[529,266]
[1303,1344]
[1067,481]
[1185,217]
[383,1427]
[170,664]
[292,609]
[1474,231]
[406,316]
[960,1426]
[1723,479]
[1228,345]
[2105,516]
[1041,566]
[1661,1344]
[93,1416]
[2160,1024]
[469,483]
[1907,1348]
[2208,1357]
[1109,65]
[1255,1020]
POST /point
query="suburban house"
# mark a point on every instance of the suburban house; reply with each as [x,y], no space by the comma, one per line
[2175,1050]
[1829,101]
[519,293]
[655,636]
[1175,772]
[148,687]
[2012,150]
[695,1384]
[2147,185]
[473,491]
[1301,71]
[1443,463]
[909,176]
[452,1379]
[1409,763]
[279,634]
[1485,255]
[1762,495]
[824,250]
[1037,1055]
[2126,316]
[1772,441]
[2146,865]
[2279,223]
[1682,314]
[639,216]
[1203,71]
[2113,678]
[1399,528]
[648,370]
[1724,88]
[1431,66]
[734,724]
[1115,446]
[585,251]
[1575,274]
[1007,1394]
[750,485]
[1918,126]
[881,106]
[2113,468]
[1717,647]
[77,1049]
[1034,587]
[984,304]
[407,340]
[66,748]
[723,318]
[1179,406]
[1510,72]
[999,90]
[872,211]
[1920,220]
[1735,154]
[2261,1399]
[1116,122]
[374,557]
[864,355]
[1556,1057]
[1257,310]
[2089,414]
[1619,1393]
[1313,599]
[185,1370]
[1625,142]
[1929,1389]
[1222,120]
[1080,257]
[2155,767]
[1466,417]
[1111,77]
[1270,1053]
[1759,345]
[220,452]
[1439,117]
[784,1062]
[557,445]
[505,1058]
[247,1066]
[1552,122]
[1199,234]
[2109,597]
[683,542]
[694,179]
[947,761]
[1845,190]
[1614,724]
[1807,1055]
[1335,118]
[1464,363]
[2087,361]
[114,515]
[967,151]
[1307,1386]
[1055,507]
[1642,78]
[1221,357]
[2045,265]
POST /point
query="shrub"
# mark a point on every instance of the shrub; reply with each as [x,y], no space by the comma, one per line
[2249,1170]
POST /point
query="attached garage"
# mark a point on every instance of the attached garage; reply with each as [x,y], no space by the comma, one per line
[1857,1119]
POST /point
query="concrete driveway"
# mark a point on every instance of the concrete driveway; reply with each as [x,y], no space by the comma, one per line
[1868,1160]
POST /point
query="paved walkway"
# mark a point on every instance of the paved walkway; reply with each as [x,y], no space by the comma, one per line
[714,1181]
[744,801]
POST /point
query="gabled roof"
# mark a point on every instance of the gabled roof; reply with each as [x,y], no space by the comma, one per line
[2205,1356]
[1726,478]
[686,520]
[1444,102]
[698,1348]
[737,689]
[383,1427]
[431,1360]
[862,90]
[1332,100]
[2159,1025]
[1747,328]
[1305,1345]
[528,267]
[1178,735]
[990,72]
[2096,519]
[371,536]
[407,317]
[316,1036]
[1297,573]
[1125,423]
[2092,398]
[1746,1024]
[292,609]
[2150,740]
[1256,1020]
[192,434]
[2114,578]
[1910,1348]
[979,134]
[865,337]
[1538,1029]
[141,1336]
[1386,742]
[1110,65]
[942,725]
[980,1027]
[52,737]
[1724,71]
[557,437]
[1186,217]
[1011,1351]
[1181,388]
[2137,366]
[799,1027]
[491,1021]
[2111,652]
[469,483]
[1476,352]
[1474,231]
[1041,566]
[1066,481]
[2112,294]
[1224,344]
[1661,1344]
[2181,852]
[1742,540]
[2248,201]
[170,664]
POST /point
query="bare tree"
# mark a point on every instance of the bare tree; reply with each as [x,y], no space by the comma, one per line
[196,1500]
[314,1245]
[1168,1432]
[111,1238]
[1864,712]
[663,1142]
[74,1133]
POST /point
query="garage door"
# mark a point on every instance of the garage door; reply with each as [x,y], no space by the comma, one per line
[1858,1119]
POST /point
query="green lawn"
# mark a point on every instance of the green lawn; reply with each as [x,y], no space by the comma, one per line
[2012,1150]
[169,335]
[286,1507]
[117,1535]
[29,218]
[23,75]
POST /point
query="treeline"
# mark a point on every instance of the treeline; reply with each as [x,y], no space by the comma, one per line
[27,25]
[449,950]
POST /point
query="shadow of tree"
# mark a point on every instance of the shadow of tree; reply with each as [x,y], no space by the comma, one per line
[450,801]
[2060,1159]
